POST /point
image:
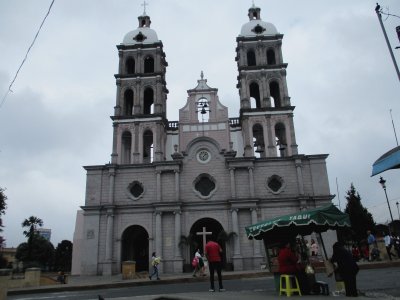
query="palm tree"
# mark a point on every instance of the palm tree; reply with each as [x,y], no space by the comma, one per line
[187,244]
[32,223]
[225,239]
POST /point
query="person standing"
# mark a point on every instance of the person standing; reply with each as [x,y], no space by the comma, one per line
[371,244]
[213,253]
[347,268]
[155,261]
[314,248]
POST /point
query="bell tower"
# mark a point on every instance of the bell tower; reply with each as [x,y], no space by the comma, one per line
[140,111]
[266,114]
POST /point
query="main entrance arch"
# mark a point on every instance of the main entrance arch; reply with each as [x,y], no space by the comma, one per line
[135,246]
[212,226]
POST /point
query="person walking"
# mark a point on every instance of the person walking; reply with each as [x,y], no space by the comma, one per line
[199,267]
[347,268]
[155,261]
[213,253]
[388,244]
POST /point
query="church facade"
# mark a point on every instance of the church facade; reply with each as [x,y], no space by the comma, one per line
[171,183]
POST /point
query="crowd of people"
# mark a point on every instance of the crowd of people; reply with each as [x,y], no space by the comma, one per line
[369,251]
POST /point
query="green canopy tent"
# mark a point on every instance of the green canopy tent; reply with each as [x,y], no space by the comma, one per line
[304,222]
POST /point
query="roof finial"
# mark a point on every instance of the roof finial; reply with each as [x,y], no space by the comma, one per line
[254,4]
[144,6]
[201,75]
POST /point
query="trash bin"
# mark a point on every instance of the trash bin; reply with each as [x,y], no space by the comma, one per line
[129,269]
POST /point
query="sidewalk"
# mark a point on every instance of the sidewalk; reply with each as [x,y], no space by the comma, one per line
[76,283]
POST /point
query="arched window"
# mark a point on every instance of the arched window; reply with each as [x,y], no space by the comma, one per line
[148,101]
[255,95]
[280,135]
[251,58]
[130,66]
[128,102]
[149,65]
[126,147]
[275,94]
[258,141]
[271,57]
[148,146]
[203,110]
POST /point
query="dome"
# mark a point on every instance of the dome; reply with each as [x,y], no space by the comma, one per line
[141,35]
[258,27]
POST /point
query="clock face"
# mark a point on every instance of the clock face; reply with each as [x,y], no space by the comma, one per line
[203,156]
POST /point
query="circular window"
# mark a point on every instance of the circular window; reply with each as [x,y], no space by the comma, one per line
[135,190]
[204,186]
[275,184]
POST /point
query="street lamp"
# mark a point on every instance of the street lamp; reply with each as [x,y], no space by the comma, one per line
[382,182]
[398,212]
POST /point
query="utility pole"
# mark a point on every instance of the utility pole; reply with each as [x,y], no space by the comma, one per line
[378,13]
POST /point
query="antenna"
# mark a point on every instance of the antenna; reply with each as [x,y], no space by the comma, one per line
[394,129]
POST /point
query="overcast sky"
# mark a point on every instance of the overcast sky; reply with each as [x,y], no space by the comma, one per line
[340,78]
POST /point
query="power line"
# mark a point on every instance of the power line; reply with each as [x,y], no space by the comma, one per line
[26,56]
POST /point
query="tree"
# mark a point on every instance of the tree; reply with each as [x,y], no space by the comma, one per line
[63,256]
[361,220]
[32,223]
[3,207]
[39,254]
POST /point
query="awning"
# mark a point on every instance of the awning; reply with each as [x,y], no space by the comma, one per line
[389,160]
[303,222]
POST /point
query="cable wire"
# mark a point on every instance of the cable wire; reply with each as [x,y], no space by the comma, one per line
[26,56]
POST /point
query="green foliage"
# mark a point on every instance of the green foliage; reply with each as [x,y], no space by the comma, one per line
[63,256]
[361,220]
[3,207]
[39,254]
[32,223]
[224,237]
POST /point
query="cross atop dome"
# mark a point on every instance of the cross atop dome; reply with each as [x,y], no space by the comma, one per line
[144,7]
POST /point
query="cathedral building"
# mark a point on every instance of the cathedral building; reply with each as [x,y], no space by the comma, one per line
[170,184]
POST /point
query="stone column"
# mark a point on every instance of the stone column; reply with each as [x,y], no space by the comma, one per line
[118,107]
[235,227]
[137,157]
[233,185]
[114,154]
[177,196]
[248,144]
[177,233]
[251,182]
[293,144]
[109,234]
[158,185]
[300,183]
[256,243]
[109,242]
[158,237]
[237,257]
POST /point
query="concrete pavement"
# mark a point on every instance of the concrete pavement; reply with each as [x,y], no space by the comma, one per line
[76,283]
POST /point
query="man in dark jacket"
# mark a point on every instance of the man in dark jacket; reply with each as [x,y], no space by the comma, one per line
[347,268]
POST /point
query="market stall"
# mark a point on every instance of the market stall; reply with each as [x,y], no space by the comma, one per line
[301,223]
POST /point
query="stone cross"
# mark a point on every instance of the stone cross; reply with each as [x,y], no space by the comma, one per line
[144,7]
[204,233]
